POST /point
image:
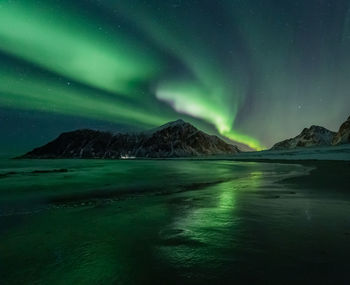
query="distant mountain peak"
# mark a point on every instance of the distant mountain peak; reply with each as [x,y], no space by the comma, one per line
[178,122]
[316,130]
[174,123]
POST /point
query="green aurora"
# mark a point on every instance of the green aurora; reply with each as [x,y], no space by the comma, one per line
[252,74]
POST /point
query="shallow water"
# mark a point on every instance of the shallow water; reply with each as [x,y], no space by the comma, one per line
[168,222]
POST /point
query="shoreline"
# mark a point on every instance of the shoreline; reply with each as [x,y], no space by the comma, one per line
[324,174]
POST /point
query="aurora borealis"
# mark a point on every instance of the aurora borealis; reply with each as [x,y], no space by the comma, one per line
[253,71]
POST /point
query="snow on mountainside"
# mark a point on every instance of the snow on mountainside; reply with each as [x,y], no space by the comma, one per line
[343,135]
[313,136]
[175,139]
[339,152]
[178,122]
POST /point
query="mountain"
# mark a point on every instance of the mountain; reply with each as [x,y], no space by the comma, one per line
[175,139]
[343,135]
[313,136]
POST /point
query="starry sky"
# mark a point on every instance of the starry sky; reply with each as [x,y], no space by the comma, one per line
[252,71]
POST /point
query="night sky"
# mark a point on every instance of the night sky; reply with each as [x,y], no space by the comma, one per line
[255,72]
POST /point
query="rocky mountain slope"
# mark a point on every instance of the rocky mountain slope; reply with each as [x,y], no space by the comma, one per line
[313,136]
[343,135]
[317,136]
[175,139]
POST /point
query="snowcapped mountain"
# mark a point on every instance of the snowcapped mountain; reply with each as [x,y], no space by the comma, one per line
[174,139]
[313,136]
[343,135]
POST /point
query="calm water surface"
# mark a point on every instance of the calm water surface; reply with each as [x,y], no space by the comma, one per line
[168,222]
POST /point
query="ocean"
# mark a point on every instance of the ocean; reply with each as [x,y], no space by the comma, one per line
[173,221]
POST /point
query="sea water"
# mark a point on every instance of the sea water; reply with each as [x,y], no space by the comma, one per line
[168,222]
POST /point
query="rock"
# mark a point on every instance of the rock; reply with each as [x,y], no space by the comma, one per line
[175,139]
[343,135]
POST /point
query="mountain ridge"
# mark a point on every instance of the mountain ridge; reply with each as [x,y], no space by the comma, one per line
[174,139]
[316,136]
